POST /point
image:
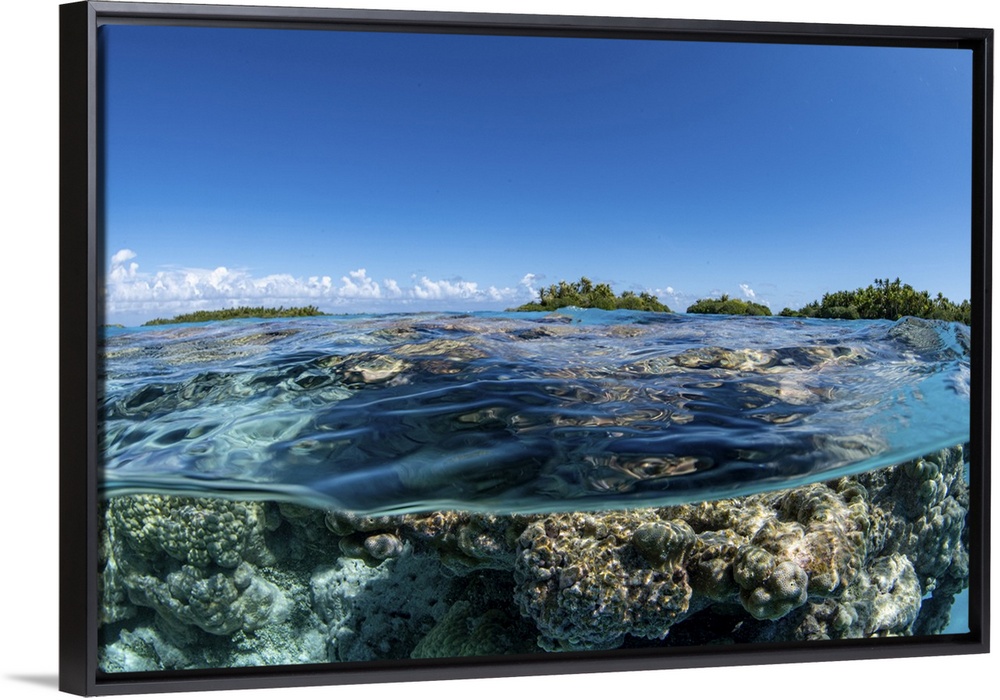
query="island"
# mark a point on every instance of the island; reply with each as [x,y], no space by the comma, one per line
[587,295]
[725,305]
[885,299]
[238,312]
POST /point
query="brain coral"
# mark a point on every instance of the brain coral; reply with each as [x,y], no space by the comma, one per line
[194,561]
[587,581]
[193,530]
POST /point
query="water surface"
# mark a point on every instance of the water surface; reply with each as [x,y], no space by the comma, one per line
[523,412]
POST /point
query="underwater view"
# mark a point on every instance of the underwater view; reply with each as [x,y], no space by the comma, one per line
[392,486]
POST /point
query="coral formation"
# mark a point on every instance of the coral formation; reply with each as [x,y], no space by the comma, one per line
[194,561]
[200,532]
[878,554]
[218,603]
[381,611]
[588,580]
[466,631]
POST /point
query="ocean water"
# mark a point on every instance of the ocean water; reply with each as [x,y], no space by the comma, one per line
[522,412]
[373,487]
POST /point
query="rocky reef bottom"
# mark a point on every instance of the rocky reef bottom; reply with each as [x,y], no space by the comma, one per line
[190,583]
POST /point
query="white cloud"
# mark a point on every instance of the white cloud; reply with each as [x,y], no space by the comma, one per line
[749,293]
[121,256]
[359,286]
[529,280]
[674,298]
[131,292]
[323,284]
[444,289]
[392,288]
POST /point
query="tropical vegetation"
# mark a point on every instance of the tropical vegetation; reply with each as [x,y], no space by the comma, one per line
[885,299]
[587,295]
[238,312]
[725,305]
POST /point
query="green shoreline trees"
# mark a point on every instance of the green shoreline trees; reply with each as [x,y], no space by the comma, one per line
[725,305]
[587,295]
[238,312]
[885,299]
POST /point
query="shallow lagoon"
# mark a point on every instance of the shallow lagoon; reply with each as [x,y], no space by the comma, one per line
[305,490]
[524,412]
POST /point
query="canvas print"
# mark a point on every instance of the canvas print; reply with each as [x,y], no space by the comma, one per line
[423,345]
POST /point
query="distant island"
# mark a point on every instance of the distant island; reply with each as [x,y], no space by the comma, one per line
[238,312]
[587,295]
[725,305]
[885,299]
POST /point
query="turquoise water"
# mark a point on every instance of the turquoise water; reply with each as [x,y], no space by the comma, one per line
[515,412]
[959,622]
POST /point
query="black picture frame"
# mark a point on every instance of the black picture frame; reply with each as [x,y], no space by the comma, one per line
[80,321]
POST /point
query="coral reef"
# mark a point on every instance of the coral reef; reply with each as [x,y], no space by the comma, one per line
[878,554]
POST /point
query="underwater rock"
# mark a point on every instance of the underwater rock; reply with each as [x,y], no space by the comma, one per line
[468,541]
[468,631]
[383,546]
[921,509]
[218,603]
[894,594]
[114,603]
[773,553]
[151,642]
[360,369]
[306,538]
[816,531]
[710,566]
[379,612]
[145,648]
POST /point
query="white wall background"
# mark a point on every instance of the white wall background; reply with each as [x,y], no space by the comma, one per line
[28,383]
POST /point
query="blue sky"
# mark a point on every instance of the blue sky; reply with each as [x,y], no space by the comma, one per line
[387,172]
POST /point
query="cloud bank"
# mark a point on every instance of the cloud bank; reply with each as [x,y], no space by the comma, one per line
[133,294]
